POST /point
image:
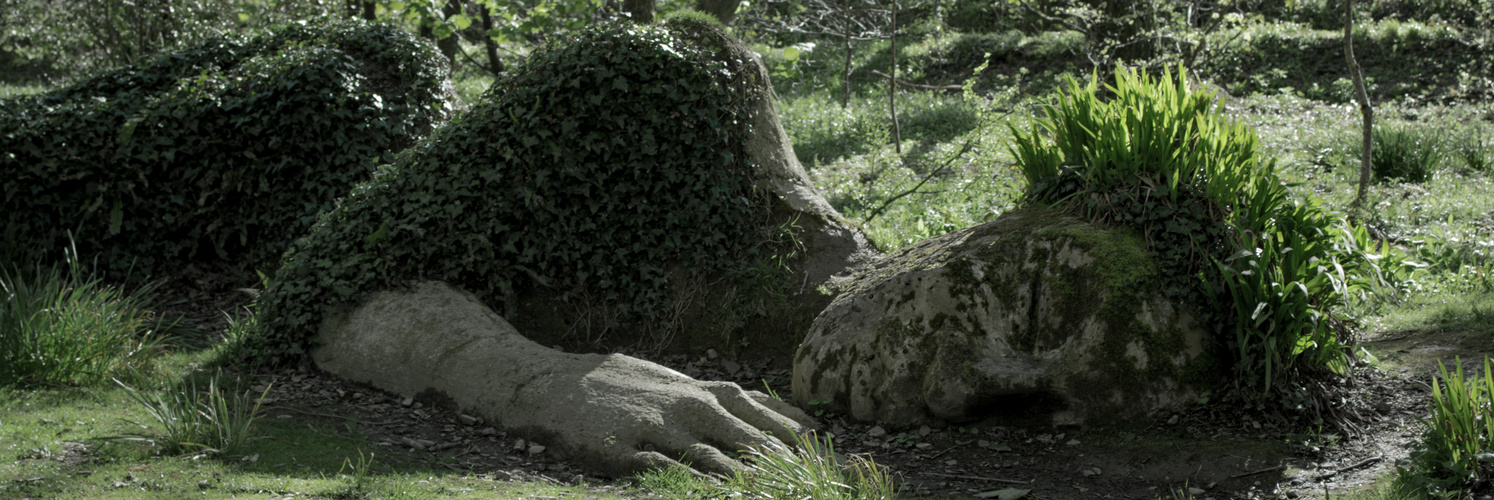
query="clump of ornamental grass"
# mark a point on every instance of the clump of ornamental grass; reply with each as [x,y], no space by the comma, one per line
[1270,268]
[60,325]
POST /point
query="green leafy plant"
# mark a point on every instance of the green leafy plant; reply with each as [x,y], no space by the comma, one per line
[198,420]
[59,325]
[224,150]
[1456,451]
[809,470]
[1404,153]
[1159,158]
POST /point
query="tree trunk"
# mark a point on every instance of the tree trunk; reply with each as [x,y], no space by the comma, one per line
[642,11]
[451,44]
[1365,109]
[370,10]
[495,65]
[845,101]
[724,10]
[897,135]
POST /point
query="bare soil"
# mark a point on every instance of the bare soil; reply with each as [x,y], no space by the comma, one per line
[1211,450]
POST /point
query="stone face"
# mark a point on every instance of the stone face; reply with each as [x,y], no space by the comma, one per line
[1033,316]
[434,340]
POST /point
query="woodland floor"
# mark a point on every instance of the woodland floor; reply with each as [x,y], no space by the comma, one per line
[1209,450]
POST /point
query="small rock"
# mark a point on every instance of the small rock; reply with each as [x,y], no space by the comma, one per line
[488,432]
[1090,471]
[983,443]
[924,446]
[731,367]
[1044,438]
[519,445]
[407,401]
[1173,420]
[535,449]
[924,431]
[1073,442]
[469,420]
[951,462]
[711,354]
[558,348]
[876,432]
[1195,491]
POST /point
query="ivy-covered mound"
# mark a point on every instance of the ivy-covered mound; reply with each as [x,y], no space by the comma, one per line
[1269,269]
[227,150]
[604,162]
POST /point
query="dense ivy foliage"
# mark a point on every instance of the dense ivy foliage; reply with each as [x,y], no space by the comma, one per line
[1266,270]
[226,150]
[596,166]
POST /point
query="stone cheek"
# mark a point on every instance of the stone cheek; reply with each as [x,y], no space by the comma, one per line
[1008,318]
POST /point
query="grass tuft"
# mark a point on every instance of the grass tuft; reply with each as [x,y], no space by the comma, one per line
[1404,153]
[61,326]
[198,421]
[810,471]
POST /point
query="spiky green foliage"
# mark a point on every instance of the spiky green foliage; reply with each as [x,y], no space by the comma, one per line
[1160,158]
[1456,450]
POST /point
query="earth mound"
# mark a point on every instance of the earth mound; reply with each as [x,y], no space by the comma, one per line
[628,186]
[226,150]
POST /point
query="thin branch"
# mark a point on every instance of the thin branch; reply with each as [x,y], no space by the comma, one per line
[963,149]
[1261,471]
[1346,468]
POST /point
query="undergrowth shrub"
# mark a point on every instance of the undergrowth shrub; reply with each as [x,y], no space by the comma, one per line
[226,150]
[59,325]
[595,167]
[1267,270]
[1456,450]
[1404,153]
[1427,62]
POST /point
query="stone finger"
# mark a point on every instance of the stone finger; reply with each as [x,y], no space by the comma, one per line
[692,451]
[766,424]
[805,422]
[639,461]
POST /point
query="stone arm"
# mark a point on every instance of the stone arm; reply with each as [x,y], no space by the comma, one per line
[612,413]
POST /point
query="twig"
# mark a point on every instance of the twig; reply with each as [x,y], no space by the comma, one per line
[979,478]
[946,450]
[963,149]
[1262,471]
[918,85]
[327,415]
[1349,467]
